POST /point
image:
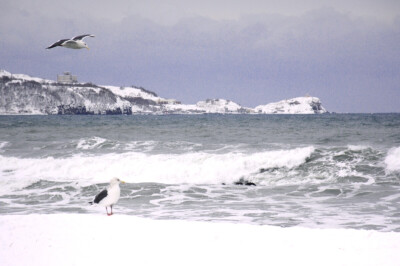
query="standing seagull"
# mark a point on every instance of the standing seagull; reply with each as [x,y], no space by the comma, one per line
[74,43]
[109,196]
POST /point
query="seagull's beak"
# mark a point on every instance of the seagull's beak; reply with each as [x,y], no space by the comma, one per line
[123,182]
[87,47]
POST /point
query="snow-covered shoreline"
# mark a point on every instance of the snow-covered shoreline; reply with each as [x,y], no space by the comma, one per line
[94,239]
[22,94]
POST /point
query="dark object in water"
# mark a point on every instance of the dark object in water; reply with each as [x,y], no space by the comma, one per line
[244,183]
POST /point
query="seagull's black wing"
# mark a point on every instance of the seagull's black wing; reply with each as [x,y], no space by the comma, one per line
[80,37]
[58,43]
[100,196]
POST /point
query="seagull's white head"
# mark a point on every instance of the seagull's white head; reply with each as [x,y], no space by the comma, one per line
[115,181]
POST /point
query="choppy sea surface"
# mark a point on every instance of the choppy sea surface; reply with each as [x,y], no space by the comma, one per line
[323,171]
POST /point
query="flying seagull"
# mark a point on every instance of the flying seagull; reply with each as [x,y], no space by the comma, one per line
[109,196]
[74,43]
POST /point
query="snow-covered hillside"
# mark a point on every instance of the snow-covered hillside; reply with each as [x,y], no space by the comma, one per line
[222,106]
[299,105]
[213,106]
[22,94]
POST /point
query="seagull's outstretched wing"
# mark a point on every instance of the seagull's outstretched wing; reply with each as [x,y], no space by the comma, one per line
[58,43]
[80,37]
[100,196]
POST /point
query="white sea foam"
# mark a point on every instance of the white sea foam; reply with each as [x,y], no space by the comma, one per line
[195,168]
[357,147]
[90,143]
[141,145]
[150,145]
[2,145]
[392,160]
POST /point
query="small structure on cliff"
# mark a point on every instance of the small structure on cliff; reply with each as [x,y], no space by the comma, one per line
[67,77]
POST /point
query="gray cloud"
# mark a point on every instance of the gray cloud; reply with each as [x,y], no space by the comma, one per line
[352,63]
[172,11]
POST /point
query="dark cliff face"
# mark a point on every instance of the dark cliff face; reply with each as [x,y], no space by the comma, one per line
[317,107]
[140,101]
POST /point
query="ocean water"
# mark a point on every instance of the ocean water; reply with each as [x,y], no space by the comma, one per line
[322,171]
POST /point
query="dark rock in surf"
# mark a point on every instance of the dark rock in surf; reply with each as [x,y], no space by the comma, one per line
[243,182]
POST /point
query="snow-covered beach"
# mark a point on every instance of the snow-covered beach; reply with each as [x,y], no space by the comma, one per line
[95,239]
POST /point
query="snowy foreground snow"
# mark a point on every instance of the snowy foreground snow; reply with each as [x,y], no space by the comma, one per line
[82,239]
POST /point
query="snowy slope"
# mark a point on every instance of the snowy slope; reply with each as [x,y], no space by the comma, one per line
[22,94]
[132,92]
[22,77]
[221,106]
[299,105]
[214,106]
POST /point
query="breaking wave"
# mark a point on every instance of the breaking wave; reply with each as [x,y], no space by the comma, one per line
[392,160]
[90,143]
[350,164]
[195,168]
[2,145]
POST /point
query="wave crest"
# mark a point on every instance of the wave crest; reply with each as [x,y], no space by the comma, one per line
[392,160]
[195,168]
[90,143]
[2,145]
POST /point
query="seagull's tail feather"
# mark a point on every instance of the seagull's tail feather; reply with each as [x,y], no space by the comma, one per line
[91,202]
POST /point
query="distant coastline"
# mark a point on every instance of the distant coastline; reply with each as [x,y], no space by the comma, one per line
[25,95]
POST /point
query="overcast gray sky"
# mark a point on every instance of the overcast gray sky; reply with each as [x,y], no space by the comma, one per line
[346,52]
